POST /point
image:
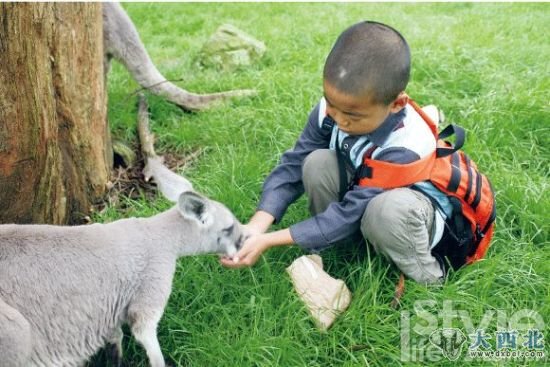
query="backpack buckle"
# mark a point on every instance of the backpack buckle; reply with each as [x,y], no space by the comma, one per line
[363,171]
[328,123]
[479,233]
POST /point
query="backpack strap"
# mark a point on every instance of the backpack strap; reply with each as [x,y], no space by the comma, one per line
[343,176]
[451,130]
[431,124]
[445,133]
[387,175]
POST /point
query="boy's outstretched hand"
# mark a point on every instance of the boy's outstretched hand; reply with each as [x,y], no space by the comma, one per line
[249,253]
[254,247]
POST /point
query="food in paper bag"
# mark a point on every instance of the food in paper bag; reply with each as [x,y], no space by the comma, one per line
[324,296]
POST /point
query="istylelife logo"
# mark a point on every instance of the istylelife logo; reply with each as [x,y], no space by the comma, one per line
[436,332]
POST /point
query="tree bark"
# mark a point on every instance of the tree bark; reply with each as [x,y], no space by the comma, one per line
[55,154]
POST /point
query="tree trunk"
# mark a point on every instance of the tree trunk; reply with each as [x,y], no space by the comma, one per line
[55,150]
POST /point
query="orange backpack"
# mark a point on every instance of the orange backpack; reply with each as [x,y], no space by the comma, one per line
[453,173]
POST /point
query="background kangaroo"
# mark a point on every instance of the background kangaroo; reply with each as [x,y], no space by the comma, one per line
[66,291]
[121,41]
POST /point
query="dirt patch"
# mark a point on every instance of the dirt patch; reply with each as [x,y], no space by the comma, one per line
[128,183]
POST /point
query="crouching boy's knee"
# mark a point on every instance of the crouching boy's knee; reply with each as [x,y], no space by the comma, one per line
[320,168]
[320,179]
[398,224]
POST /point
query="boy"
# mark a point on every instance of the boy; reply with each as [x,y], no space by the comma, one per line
[364,111]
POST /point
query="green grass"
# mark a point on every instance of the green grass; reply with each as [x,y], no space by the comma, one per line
[485,65]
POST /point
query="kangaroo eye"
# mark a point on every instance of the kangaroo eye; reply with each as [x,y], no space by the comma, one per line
[229,230]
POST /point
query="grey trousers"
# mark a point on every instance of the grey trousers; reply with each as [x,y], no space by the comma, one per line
[398,223]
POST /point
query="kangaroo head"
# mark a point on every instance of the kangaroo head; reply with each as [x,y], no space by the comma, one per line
[218,229]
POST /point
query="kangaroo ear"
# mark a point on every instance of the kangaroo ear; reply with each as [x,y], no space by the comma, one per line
[170,184]
[196,207]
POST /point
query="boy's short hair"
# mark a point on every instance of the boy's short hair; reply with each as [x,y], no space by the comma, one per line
[369,58]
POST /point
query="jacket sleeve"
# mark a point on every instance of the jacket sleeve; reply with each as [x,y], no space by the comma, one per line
[342,220]
[284,185]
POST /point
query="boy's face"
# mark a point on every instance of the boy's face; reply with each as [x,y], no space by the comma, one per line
[358,115]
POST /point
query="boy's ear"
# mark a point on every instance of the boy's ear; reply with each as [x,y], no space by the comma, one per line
[399,103]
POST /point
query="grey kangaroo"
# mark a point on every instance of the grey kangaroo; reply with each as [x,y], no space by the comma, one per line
[121,41]
[66,291]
